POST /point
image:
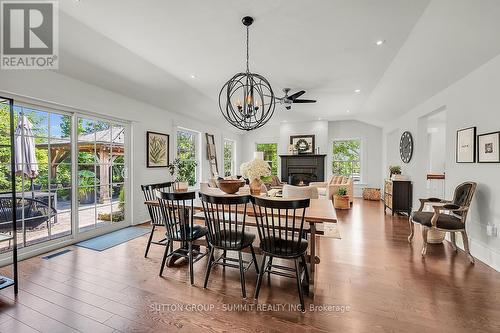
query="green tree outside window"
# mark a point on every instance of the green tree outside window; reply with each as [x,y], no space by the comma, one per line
[228,157]
[346,158]
[270,151]
[186,152]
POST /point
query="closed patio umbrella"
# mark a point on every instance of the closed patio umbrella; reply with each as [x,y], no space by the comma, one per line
[25,157]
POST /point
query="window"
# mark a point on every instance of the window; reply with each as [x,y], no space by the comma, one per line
[229,158]
[346,158]
[187,152]
[270,151]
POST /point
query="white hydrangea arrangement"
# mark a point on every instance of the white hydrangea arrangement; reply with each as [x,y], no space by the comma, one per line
[255,169]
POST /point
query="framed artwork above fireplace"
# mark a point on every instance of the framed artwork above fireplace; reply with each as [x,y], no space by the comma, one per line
[303,144]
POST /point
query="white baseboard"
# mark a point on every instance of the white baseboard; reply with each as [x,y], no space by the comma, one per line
[480,251]
[358,190]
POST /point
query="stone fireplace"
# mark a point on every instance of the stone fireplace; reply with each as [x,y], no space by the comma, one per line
[302,169]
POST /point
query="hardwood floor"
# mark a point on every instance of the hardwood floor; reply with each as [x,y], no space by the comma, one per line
[381,281]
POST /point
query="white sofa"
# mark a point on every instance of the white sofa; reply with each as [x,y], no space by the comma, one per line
[299,192]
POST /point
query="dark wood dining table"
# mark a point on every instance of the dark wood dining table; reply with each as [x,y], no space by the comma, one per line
[319,211]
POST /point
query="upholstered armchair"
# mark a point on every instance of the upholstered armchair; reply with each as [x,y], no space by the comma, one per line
[448,216]
[329,188]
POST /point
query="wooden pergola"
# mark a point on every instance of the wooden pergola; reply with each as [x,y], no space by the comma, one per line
[106,152]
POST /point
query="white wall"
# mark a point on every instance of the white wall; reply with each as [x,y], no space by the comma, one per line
[318,128]
[55,88]
[472,101]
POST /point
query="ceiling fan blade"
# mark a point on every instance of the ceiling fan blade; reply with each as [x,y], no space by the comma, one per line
[304,101]
[296,95]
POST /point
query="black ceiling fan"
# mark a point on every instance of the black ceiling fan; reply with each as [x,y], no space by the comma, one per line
[287,101]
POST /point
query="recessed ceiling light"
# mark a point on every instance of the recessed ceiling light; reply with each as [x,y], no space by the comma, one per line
[193,76]
[380,42]
[357,90]
[348,111]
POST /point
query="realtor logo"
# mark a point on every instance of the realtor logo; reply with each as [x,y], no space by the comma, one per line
[29,35]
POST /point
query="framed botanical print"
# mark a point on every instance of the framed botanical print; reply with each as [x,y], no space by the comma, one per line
[488,148]
[157,150]
[304,144]
[466,145]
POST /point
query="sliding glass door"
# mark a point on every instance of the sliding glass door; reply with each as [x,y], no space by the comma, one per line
[101,173]
[43,171]
[70,175]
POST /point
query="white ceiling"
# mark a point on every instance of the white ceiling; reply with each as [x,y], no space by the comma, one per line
[149,50]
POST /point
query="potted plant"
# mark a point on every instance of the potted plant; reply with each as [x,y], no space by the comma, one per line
[394,170]
[185,173]
[86,182]
[341,199]
[256,171]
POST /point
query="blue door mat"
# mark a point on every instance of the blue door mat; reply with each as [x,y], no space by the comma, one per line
[114,238]
[5,282]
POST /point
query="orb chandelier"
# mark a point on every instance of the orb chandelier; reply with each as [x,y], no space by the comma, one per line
[247,99]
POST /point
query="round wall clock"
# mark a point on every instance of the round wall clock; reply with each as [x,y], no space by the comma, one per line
[406,147]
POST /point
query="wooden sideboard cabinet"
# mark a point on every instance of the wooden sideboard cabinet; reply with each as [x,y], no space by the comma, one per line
[398,196]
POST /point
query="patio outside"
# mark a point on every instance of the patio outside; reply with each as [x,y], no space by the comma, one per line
[44,197]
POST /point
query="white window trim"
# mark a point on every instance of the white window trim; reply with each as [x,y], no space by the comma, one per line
[198,152]
[361,156]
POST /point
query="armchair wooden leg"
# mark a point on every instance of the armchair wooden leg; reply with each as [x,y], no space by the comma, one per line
[453,241]
[410,237]
[465,240]
[424,238]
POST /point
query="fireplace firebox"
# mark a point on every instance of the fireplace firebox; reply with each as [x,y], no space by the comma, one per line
[302,169]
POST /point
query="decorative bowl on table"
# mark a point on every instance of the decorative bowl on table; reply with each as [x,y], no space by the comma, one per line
[230,186]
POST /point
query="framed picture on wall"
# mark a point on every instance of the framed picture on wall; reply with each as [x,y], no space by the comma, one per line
[488,148]
[466,145]
[157,150]
[304,144]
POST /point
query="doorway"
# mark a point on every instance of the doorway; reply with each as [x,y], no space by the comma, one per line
[436,153]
